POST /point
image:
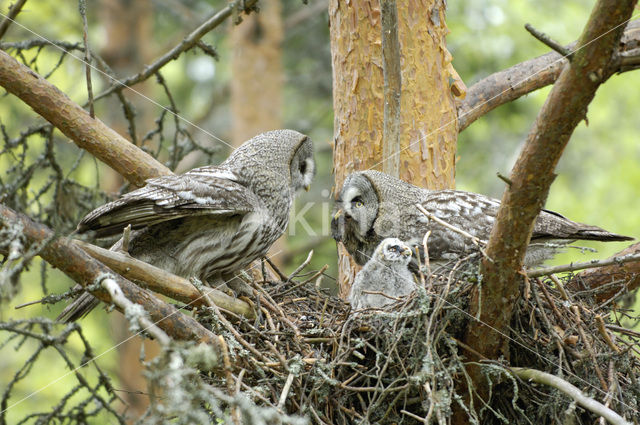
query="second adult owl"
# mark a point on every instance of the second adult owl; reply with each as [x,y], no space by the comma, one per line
[372,206]
[212,220]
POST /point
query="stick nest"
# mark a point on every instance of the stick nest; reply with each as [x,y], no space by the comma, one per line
[307,354]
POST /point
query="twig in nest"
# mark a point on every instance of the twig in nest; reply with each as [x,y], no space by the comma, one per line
[414,416]
[126,237]
[560,287]
[425,247]
[315,275]
[605,334]
[235,413]
[585,265]
[230,327]
[275,268]
[285,391]
[304,264]
[571,391]
[544,38]
[587,344]
[552,304]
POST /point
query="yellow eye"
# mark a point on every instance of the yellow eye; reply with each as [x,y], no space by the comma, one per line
[359,204]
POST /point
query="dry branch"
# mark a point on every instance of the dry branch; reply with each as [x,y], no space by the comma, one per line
[74,122]
[612,270]
[618,259]
[187,43]
[164,282]
[593,63]
[69,258]
[514,82]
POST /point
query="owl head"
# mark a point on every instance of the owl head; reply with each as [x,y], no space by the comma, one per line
[393,251]
[285,154]
[356,208]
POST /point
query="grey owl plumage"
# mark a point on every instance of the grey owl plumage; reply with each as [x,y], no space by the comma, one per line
[387,272]
[212,220]
[373,205]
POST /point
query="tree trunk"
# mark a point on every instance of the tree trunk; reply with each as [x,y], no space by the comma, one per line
[256,66]
[426,122]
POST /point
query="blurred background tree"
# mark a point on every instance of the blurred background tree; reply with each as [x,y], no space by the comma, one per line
[57,184]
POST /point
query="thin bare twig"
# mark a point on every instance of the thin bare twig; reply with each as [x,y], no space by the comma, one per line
[545,39]
[187,43]
[285,390]
[605,334]
[301,267]
[585,265]
[82,6]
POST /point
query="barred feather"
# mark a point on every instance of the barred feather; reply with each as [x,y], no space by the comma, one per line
[211,220]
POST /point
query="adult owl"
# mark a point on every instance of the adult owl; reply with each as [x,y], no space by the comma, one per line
[384,278]
[373,205]
[211,221]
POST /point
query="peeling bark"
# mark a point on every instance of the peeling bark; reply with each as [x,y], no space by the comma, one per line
[427,125]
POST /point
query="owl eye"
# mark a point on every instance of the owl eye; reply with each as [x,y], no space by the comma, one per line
[357,202]
[303,167]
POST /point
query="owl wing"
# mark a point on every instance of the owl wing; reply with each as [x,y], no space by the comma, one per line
[201,191]
[473,213]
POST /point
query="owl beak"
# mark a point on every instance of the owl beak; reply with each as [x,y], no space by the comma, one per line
[306,187]
[338,214]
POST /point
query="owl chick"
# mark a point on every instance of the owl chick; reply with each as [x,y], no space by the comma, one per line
[210,221]
[372,206]
[386,272]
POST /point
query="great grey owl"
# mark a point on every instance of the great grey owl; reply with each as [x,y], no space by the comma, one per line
[386,272]
[373,205]
[213,220]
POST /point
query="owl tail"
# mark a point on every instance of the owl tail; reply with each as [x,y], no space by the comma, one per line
[593,233]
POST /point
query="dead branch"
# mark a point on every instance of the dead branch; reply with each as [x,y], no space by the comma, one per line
[571,391]
[514,82]
[593,63]
[615,260]
[613,269]
[187,43]
[74,122]
[164,282]
[68,257]
[554,45]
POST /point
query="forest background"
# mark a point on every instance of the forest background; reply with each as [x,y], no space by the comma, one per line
[598,176]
